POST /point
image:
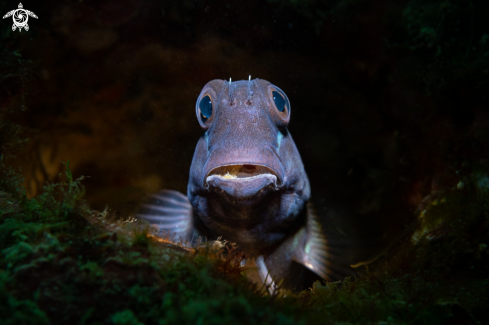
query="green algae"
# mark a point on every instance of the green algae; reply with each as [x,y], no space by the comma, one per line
[57,267]
[66,270]
[65,263]
[440,273]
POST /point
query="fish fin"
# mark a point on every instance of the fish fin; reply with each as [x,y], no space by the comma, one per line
[170,211]
[265,276]
[327,253]
[312,250]
[349,237]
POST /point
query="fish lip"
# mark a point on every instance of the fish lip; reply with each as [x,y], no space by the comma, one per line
[262,171]
[243,189]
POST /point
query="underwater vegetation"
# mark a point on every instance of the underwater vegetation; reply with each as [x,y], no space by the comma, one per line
[65,263]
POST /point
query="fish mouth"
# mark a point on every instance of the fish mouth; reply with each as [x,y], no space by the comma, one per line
[242,181]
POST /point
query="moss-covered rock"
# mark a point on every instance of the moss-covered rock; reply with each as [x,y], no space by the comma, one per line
[64,263]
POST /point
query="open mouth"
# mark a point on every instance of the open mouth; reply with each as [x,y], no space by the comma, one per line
[241,181]
[241,171]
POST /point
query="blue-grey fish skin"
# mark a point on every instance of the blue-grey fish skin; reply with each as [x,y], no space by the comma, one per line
[247,184]
[247,129]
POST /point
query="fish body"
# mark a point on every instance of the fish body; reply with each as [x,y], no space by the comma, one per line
[247,184]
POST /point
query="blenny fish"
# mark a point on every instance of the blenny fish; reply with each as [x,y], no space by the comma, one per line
[248,185]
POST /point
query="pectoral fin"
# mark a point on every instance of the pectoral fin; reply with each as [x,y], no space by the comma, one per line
[317,254]
[170,211]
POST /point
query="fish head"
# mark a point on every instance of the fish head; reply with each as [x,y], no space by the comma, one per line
[246,171]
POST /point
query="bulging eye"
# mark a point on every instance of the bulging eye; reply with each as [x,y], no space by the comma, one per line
[205,108]
[280,110]
[279,100]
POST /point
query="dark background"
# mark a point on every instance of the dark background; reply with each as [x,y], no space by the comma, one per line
[389,98]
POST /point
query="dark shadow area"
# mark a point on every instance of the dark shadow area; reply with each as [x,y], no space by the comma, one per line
[388,97]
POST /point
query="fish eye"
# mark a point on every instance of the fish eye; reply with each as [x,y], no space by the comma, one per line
[206,105]
[279,100]
[279,106]
[205,108]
